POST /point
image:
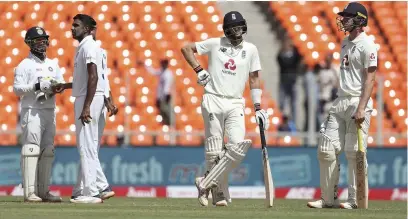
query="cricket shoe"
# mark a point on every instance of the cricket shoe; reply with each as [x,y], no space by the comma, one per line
[322,204]
[202,193]
[87,200]
[107,193]
[51,198]
[218,198]
[33,198]
[348,205]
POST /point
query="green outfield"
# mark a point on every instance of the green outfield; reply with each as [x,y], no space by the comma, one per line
[123,208]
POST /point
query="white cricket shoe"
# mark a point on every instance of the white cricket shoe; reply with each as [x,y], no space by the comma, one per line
[51,198]
[32,198]
[322,204]
[202,193]
[348,205]
[218,198]
[86,200]
[107,193]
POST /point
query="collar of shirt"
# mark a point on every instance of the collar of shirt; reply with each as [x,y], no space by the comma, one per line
[35,58]
[360,37]
[84,40]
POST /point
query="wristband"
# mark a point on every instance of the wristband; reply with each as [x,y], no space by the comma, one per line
[256,95]
[257,106]
[37,86]
[198,69]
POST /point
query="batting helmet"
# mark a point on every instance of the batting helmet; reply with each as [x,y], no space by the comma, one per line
[234,26]
[353,15]
[37,39]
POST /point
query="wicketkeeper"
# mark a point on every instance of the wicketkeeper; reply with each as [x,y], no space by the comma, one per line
[37,79]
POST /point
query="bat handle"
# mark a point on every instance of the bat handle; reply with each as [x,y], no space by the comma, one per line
[360,139]
[262,133]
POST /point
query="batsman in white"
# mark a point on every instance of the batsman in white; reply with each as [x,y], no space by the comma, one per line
[350,110]
[232,60]
[36,80]
[102,184]
[88,90]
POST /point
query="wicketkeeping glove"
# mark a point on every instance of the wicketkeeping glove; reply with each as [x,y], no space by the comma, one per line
[46,84]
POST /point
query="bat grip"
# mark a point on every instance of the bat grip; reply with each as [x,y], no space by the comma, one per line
[262,133]
[360,139]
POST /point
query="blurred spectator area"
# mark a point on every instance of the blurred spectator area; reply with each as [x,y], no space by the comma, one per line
[128,31]
[312,28]
[154,30]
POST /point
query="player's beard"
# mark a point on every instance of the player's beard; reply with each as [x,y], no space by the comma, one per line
[235,35]
[39,48]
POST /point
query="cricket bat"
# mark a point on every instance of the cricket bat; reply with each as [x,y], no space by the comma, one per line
[269,188]
[361,173]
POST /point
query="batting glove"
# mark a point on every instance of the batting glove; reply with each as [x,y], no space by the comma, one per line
[262,115]
[203,77]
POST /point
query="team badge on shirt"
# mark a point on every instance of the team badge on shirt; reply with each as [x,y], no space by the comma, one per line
[243,54]
[223,49]
[50,68]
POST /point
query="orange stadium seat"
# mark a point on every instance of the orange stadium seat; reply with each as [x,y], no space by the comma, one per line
[392,56]
[150,31]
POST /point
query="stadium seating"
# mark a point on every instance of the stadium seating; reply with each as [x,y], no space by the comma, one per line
[129,31]
[150,31]
[312,28]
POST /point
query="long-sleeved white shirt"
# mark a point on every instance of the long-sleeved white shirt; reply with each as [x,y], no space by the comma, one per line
[28,73]
[165,81]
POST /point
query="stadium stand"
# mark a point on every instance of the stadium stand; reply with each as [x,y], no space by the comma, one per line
[154,30]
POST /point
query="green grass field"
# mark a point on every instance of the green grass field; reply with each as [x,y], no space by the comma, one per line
[123,208]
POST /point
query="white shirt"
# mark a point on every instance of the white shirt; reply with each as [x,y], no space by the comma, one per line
[228,66]
[165,81]
[87,52]
[28,73]
[356,56]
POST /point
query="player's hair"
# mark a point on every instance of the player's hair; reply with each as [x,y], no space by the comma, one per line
[87,20]
[164,62]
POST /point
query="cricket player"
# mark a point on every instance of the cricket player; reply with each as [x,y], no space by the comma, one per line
[102,184]
[350,110]
[36,80]
[88,90]
[231,62]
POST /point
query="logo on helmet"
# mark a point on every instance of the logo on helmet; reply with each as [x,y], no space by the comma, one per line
[233,17]
[39,31]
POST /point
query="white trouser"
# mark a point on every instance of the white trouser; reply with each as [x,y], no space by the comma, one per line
[337,134]
[38,132]
[88,142]
[222,117]
[101,181]
[38,126]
